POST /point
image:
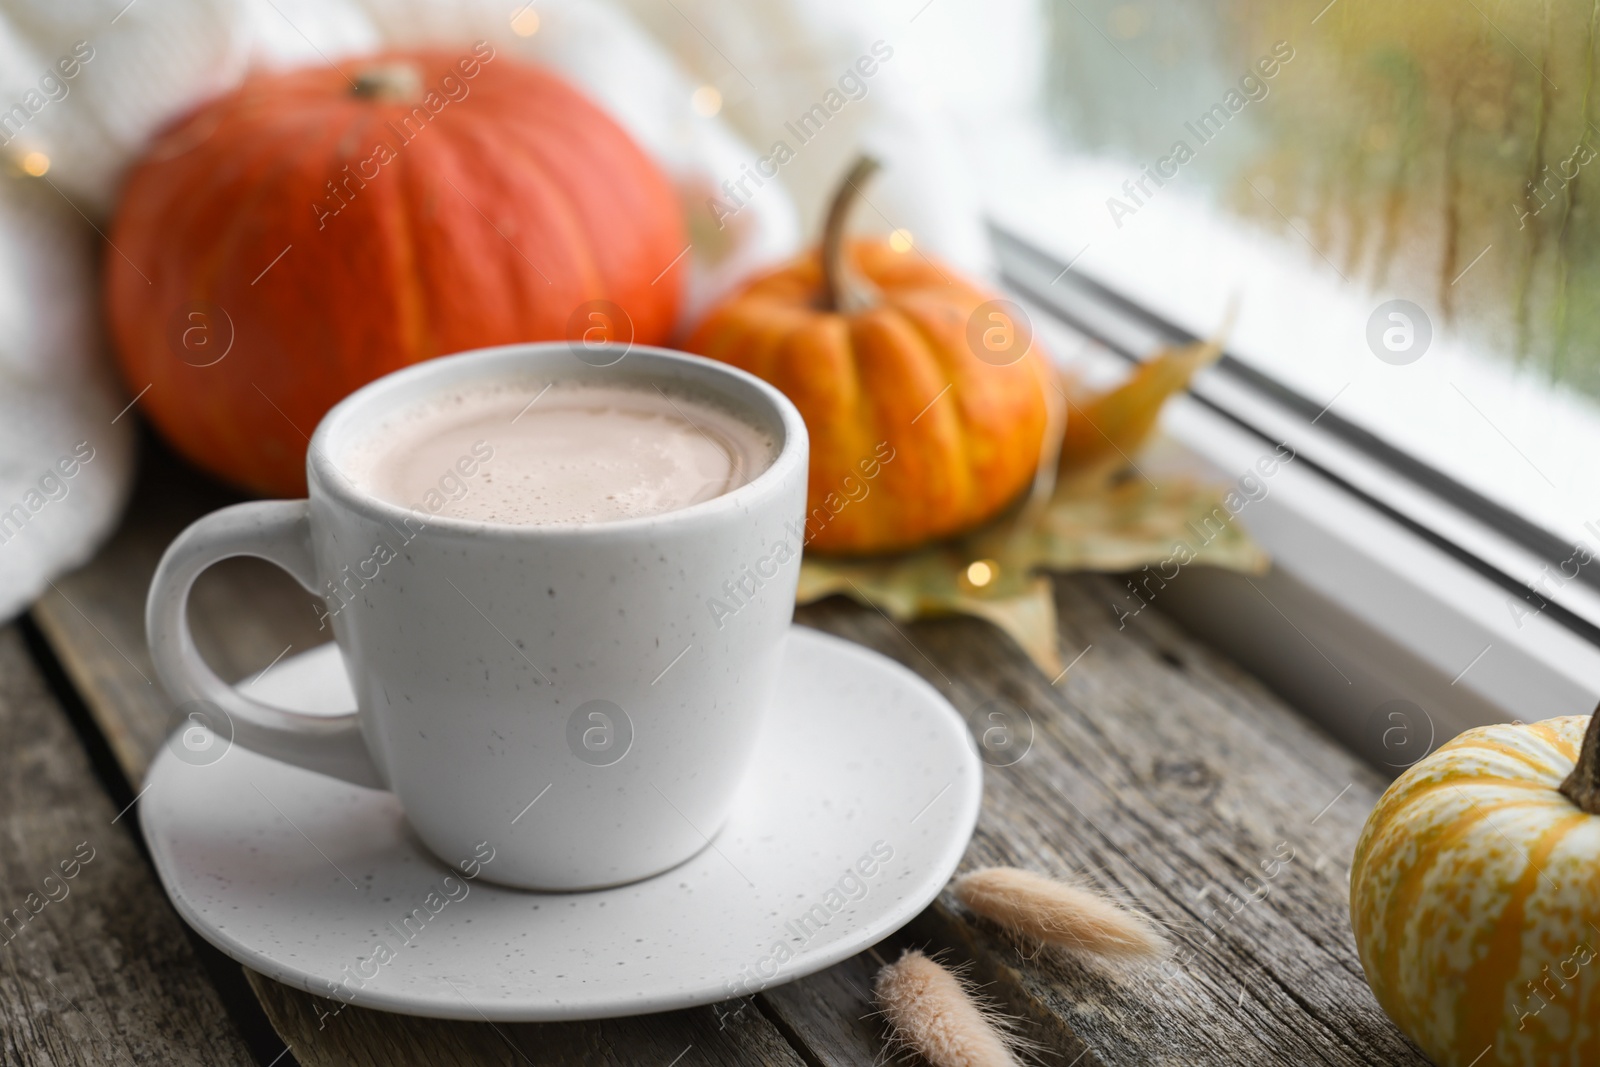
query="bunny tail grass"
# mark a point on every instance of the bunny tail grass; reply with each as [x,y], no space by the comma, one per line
[934,1016]
[1058,913]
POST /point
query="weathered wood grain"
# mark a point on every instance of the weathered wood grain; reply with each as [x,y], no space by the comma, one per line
[1166,777]
[1157,772]
[357,1037]
[94,968]
[831,1015]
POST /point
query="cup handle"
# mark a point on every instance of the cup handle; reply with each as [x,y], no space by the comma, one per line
[278,531]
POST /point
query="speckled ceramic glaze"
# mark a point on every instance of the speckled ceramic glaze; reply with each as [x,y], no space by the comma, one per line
[611,677]
[862,796]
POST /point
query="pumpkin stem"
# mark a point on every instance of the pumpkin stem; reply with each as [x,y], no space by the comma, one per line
[1582,786]
[842,290]
[391,83]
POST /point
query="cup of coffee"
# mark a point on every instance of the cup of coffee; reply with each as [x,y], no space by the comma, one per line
[561,591]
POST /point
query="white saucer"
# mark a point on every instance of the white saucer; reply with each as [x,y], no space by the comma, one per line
[300,876]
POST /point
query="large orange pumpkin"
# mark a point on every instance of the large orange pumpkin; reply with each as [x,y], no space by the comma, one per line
[926,399]
[311,231]
[1475,897]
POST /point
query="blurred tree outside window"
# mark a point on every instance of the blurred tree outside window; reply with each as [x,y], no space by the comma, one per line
[1451,143]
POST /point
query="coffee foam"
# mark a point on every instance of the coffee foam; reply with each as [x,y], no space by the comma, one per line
[533,454]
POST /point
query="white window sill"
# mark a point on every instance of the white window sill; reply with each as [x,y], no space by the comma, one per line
[1359,611]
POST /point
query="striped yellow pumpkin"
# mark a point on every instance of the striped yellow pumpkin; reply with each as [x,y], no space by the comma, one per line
[1475,897]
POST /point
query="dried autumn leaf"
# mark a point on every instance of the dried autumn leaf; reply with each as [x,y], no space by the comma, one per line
[929,586]
[1115,422]
[1102,520]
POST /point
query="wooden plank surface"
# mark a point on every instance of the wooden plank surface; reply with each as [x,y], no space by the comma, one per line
[358,1037]
[1165,777]
[95,967]
[1156,771]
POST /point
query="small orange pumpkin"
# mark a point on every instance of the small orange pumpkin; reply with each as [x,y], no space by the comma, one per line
[304,234]
[926,399]
[1473,897]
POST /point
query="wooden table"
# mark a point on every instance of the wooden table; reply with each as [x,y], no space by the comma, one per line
[1159,772]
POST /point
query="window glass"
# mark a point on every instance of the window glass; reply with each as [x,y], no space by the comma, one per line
[1404,199]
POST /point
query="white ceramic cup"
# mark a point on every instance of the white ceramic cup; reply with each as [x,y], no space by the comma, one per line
[584,697]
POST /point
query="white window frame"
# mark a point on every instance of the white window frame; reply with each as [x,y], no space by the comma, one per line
[1387,585]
